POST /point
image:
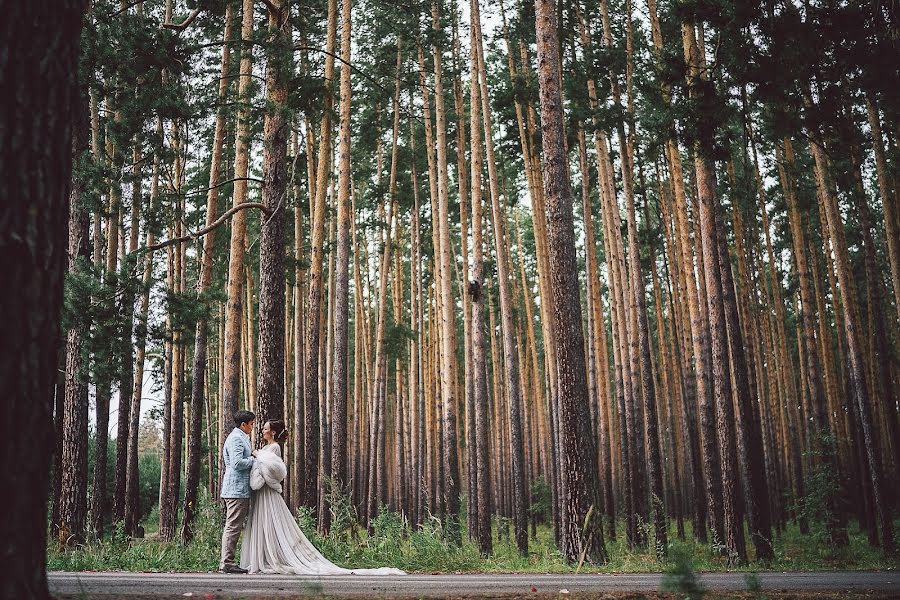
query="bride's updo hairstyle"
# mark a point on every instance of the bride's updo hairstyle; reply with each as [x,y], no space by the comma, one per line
[279,432]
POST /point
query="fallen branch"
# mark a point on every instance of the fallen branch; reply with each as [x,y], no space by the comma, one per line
[193,236]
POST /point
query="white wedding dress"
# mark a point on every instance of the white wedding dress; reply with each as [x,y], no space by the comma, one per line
[273,542]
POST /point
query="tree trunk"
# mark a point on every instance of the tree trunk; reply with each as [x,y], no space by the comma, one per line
[126,374]
[450,457]
[854,344]
[175,433]
[132,476]
[475,294]
[270,387]
[201,336]
[36,167]
[234,309]
[510,352]
[309,488]
[339,374]
[583,529]
[735,546]
[807,333]
[72,462]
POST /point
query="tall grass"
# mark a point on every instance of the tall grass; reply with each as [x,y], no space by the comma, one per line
[391,541]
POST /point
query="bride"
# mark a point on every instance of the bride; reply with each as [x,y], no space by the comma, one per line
[273,542]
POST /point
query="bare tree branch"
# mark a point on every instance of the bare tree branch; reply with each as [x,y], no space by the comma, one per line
[193,236]
[184,24]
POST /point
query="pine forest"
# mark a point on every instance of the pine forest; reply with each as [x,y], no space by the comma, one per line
[599,276]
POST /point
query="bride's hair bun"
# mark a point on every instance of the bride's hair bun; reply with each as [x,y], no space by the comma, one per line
[279,431]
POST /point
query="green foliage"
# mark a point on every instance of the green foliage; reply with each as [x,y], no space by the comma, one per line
[681,577]
[541,507]
[754,586]
[149,467]
[392,541]
[117,552]
[823,488]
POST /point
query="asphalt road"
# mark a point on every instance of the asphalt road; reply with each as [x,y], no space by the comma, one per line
[200,585]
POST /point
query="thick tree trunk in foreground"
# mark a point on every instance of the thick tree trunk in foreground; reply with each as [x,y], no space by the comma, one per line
[38,68]
[582,518]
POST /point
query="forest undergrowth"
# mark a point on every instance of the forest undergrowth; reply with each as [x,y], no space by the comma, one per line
[392,541]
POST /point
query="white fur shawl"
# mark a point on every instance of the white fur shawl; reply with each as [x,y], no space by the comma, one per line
[268,470]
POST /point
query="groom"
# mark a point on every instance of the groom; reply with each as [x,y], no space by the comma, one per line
[236,487]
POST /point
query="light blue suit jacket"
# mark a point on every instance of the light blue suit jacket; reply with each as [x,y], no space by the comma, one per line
[238,460]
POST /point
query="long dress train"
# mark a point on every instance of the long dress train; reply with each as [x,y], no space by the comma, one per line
[273,542]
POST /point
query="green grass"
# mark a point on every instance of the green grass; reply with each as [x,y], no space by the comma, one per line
[392,543]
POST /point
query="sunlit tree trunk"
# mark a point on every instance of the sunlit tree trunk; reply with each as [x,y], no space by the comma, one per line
[340,376]
[450,457]
[510,352]
[234,307]
[310,486]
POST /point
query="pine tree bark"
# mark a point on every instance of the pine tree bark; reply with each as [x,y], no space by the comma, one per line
[735,547]
[510,351]
[475,295]
[807,331]
[173,435]
[309,488]
[339,374]
[698,388]
[40,72]
[72,462]
[234,307]
[852,332]
[450,456]
[583,528]
[377,470]
[132,483]
[299,348]
[126,374]
[271,318]
[201,335]
[748,429]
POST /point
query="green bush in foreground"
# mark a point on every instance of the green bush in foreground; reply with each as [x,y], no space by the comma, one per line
[392,542]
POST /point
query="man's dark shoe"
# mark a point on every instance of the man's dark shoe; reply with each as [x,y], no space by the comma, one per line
[232,569]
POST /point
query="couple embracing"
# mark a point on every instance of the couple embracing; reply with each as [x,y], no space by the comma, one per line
[251,491]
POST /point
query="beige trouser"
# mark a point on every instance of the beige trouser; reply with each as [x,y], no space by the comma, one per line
[236,510]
